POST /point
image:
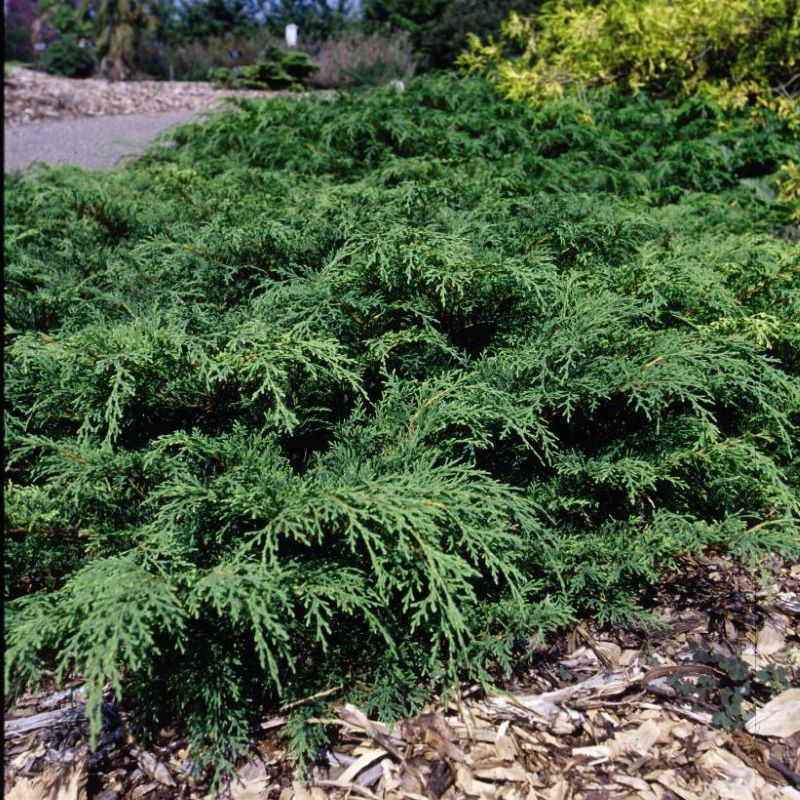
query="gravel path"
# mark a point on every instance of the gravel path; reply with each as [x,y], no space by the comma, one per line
[91,142]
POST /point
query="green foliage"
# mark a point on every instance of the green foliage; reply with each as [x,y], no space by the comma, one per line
[17,42]
[121,26]
[439,29]
[376,390]
[200,21]
[194,61]
[448,36]
[316,19]
[66,58]
[67,18]
[414,17]
[789,188]
[735,52]
[276,68]
[735,686]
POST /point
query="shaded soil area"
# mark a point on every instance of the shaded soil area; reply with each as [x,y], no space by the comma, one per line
[701,703]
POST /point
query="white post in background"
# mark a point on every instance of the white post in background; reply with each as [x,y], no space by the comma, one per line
[291,35]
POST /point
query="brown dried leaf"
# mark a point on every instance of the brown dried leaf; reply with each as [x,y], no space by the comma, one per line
[780,717]
[502,774]
[506,748]
[469,785]
[643,788]
[156,769]
[55,782]
[300,792]
[251,781]
[770,640]
[670,779]
[361,763]
[639,741]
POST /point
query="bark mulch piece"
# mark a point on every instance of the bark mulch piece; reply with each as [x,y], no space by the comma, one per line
[703,704]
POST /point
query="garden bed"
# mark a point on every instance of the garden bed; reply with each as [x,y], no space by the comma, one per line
[372,397]
[612,713]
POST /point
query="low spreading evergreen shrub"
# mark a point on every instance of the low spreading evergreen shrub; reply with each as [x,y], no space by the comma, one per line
[375,391]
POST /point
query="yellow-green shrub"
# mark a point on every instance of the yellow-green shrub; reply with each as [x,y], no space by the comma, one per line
[789,187]
[736,51]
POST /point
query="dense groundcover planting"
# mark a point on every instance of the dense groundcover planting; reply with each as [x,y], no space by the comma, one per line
[373,391]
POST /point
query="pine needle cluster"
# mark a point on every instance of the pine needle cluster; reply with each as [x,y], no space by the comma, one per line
[374,392]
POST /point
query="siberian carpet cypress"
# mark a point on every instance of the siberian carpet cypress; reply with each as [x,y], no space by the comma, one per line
[374,391]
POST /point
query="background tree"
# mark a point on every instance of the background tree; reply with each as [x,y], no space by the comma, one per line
[69,19]
[446,37]
[17,43]
[121,25]
[200,21]
[317,19]
[439,28]
[418,17]
[167,18]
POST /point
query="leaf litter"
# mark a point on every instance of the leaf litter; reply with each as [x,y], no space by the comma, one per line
[616,712]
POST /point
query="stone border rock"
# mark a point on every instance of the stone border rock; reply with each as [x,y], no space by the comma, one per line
[32,97]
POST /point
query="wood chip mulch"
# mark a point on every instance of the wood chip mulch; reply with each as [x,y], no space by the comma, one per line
[704,705]
[31,97]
